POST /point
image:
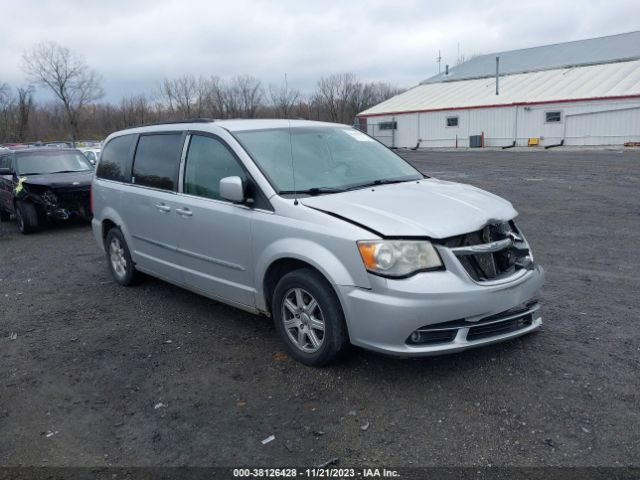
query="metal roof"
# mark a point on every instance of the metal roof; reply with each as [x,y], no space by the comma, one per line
[624,46]
[609,80]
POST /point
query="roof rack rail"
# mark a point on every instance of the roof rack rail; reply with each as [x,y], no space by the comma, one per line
[169,122]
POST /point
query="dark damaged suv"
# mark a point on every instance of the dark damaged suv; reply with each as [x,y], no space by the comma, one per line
[38,185]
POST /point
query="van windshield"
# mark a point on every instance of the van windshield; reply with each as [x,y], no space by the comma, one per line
[318,160]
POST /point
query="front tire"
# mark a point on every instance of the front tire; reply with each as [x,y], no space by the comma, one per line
[27,217]
[309,318]
[119,258]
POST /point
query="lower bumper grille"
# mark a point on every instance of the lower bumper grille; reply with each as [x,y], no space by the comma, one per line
[499,328]
[73,200]
[512,320]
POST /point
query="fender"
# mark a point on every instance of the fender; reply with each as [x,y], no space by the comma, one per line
[108,213]
[316,255]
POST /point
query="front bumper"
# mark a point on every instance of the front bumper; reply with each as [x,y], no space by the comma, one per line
[64,205]
[383,318]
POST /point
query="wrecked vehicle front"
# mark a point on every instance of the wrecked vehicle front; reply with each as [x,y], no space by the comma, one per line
[45,184]
[60,196]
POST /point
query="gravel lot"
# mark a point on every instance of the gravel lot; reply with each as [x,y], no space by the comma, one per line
[154,375]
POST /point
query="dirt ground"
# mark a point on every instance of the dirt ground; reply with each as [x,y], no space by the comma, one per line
[94,374]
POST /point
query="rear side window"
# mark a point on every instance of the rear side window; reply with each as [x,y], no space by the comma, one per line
[116,159]
[157,161]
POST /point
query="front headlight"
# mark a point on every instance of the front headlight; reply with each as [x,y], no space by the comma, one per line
[398,258]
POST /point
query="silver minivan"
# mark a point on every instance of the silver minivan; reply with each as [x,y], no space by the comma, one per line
[320,227]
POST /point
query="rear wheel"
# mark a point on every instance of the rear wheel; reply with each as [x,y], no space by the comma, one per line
[309,318]
[119,258]
[27,217]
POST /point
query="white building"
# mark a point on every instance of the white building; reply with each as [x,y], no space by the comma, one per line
[580,93]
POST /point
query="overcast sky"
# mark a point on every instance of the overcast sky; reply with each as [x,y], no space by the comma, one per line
[134,43]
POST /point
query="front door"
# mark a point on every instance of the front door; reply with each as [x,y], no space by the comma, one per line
[215,245]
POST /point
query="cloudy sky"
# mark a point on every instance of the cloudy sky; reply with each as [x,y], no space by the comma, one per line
[134,43]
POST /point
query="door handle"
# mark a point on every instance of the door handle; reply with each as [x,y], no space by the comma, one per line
[185,212]
[163,208]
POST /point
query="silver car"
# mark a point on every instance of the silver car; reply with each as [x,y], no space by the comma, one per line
[320,227]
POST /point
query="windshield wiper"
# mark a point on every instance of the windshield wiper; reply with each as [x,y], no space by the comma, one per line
[70,171]
[313,191]
[382,181]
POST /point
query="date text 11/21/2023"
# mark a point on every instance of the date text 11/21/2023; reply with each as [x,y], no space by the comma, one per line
[315,473]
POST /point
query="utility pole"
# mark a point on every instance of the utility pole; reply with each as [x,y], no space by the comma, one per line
[439,60]
[497,75]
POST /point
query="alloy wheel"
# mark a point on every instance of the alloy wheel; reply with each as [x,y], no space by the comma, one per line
[117,258]
[303,320]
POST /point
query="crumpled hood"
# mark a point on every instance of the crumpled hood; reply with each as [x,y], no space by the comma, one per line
[430,207]
[61,180]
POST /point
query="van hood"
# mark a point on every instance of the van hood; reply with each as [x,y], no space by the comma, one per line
[424,208]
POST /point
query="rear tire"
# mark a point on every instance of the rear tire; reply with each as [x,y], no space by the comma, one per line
[119,258]
[309,318]
[27,217]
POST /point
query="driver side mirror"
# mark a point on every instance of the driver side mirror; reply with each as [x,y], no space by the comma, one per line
[232,189]
[5,171]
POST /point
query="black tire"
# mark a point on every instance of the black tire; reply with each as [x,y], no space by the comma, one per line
[27,217]
[334,339]
[4,216]
[120,264]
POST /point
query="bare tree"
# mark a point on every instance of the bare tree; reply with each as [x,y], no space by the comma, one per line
[212,97]
[336,93]
[366,95]
[283,99]
[24,109]
[337,98]
[67,75]
[7,107]
[134,110]
[182,96]
[244,96]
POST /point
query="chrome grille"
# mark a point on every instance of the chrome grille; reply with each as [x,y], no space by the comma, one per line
[496,251]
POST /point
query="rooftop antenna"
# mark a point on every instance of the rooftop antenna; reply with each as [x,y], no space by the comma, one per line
[293,168]
[286,98]
[439,60]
